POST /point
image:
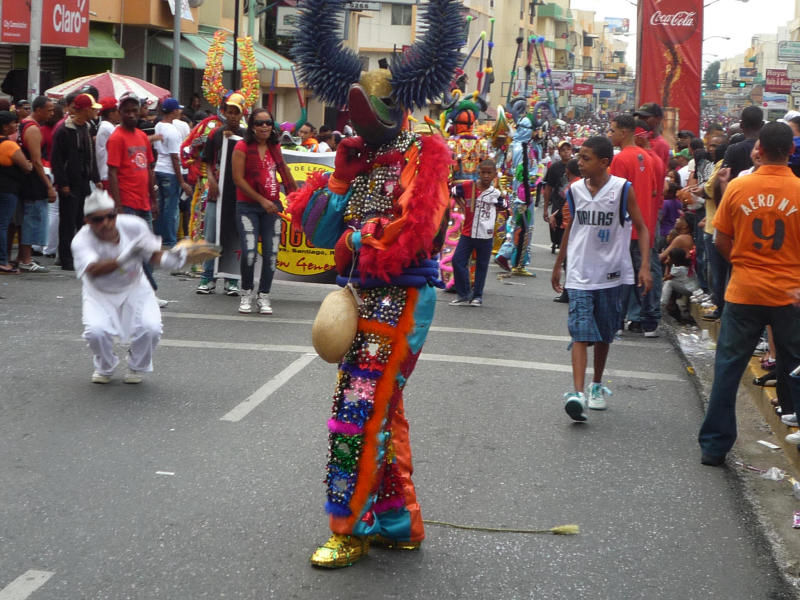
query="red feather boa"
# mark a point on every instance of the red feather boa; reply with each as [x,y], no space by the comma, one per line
[424,215]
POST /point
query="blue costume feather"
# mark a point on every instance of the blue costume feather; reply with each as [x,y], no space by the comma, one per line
[322,63]
[425,71]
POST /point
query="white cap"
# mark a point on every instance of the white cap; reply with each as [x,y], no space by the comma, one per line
[791,115]
[97,200]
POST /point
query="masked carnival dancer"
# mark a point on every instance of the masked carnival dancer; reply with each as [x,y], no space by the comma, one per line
[384,210]
[117,298]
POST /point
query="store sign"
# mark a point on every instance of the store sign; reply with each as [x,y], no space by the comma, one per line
[778,82]
[64,23]
[583,89]
[789,51]
[560,80]
[747,72]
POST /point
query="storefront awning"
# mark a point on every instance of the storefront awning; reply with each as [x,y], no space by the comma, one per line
[101,45]
[194,51]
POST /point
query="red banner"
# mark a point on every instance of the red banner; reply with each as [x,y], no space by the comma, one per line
[64,22]
[778,82]
[583,89]
[669,68]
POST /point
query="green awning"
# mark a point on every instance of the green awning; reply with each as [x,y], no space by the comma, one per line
[101,45]
[159,52]
[194,52]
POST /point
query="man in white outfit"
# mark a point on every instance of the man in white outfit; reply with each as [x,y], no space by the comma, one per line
[117,299]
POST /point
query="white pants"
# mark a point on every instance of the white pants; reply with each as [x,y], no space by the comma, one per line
[136,319]
[52,231]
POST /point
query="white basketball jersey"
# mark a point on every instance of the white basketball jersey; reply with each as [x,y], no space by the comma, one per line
[598,250]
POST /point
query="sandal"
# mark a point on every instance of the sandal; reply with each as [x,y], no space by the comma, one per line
[8,270]
[768,363]
[766,380]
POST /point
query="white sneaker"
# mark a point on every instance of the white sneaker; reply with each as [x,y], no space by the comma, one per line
[100,378]
[575,405]
[597,393]
[133,377]
[161,303]
[793,438]
[790,420]
[246,301]
[264,306]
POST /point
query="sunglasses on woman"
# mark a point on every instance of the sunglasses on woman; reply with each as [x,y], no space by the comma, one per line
[97,219]
[263,122]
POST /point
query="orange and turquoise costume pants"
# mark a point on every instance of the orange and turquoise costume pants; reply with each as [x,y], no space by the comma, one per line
[369,464]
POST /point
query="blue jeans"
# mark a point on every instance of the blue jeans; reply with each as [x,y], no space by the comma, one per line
[253,222]
[148,218]
[719,270]
[647,309]
[169,194]
[740,331]
[8,205]
[483,252]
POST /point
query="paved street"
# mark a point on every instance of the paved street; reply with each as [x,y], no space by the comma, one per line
[205,481]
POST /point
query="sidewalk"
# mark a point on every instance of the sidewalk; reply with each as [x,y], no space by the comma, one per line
[760,444]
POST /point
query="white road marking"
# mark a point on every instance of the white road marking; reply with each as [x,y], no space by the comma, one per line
[165,472]
[469,360]
[264,392]
[24,585]
[490,332]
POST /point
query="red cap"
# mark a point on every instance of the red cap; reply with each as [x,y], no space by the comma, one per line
[85,101]
[108,103]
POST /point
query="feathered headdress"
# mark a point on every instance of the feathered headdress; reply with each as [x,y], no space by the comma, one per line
[418,76]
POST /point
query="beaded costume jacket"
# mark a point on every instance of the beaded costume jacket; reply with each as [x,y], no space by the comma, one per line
[398,204]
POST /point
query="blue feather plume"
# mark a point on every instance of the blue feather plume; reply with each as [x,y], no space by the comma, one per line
[320,60]
[425,71]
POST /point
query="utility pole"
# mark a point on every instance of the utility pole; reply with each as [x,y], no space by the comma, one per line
[235,74]
[176,49]
[35,48]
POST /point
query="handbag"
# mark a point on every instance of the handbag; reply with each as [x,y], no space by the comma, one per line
[335,325]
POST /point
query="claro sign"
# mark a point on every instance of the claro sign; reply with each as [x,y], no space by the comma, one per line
[64,22]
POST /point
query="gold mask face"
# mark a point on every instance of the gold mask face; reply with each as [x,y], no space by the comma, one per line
[376,83]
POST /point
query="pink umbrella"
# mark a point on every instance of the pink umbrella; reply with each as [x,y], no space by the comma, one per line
[110,84]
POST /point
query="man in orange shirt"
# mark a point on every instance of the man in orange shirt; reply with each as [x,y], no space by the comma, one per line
[758,231]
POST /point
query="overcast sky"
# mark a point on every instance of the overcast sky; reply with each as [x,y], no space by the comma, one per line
[730,18]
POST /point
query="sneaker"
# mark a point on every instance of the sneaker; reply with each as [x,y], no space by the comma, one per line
[459,302]
[264,306]
[340,551]
[133,377]
[476,302]
[100,378]
[635,327]
[575,405]
[597,395]
[793,438]
[32,267]
[245,304]
[161,303]
[206,286]
[651,334]
[231,288]
[790,420]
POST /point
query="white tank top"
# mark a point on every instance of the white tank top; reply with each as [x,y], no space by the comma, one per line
[598,250]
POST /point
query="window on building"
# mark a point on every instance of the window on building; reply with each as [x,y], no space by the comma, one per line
[364,60]
[401,14]
[587,62]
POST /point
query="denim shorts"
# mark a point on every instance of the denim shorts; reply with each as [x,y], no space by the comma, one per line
[594,315]
[34,222]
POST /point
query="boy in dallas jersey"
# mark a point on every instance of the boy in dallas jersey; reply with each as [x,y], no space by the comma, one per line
[603,208]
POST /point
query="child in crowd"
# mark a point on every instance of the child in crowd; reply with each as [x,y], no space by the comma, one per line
[480,201]
[670,212]
[681,281]
[597,246]
[679,237]
[573,175]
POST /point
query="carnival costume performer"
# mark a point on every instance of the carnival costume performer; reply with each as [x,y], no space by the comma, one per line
[117,298]
[383,209]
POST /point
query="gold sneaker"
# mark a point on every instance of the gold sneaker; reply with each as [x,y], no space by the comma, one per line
[386,542]
[340,551]
[522,271]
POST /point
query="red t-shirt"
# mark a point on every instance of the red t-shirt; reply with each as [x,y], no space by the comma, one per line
[258,172]
[131,154]
[635,165]
[659,173]
[661,148]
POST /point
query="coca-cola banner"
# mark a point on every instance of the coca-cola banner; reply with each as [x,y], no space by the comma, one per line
[669,65]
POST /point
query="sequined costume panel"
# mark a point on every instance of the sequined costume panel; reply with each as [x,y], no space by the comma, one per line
[369,484]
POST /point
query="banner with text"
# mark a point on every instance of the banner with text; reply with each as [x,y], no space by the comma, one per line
[562,80]
[64,22]
[777,82]
[583,89]
[670,54]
